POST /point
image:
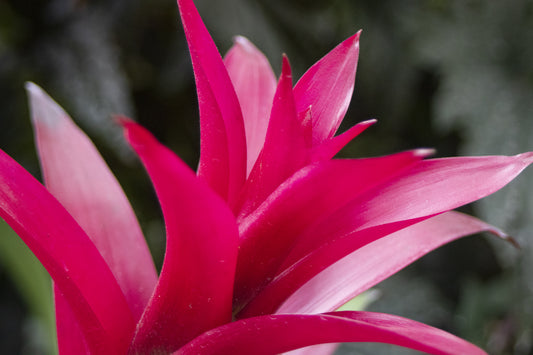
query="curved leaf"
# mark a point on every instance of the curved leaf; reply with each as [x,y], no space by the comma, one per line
[75,173]
[195,287]
[69,256]
[255,85]
[328,87]
[223,142]
[428,188]
[285,149]
[278,333]
[327,149]
[269,233]
[373,263]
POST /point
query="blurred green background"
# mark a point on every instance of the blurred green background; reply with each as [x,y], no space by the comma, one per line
[455,75]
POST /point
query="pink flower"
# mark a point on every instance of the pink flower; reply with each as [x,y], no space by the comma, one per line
[266,241]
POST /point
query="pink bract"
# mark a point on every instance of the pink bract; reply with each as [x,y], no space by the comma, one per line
[265,241]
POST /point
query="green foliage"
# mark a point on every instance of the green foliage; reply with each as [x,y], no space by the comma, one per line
[33,285]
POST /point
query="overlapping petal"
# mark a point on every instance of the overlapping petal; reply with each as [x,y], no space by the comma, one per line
[273,334]
[428,188]
[327,149]
[223,142]
[75,173]
[285,149]
[270,223]
[328,87]
[271,230]
[255,85]
[70,257]
[378,260]
[195,288]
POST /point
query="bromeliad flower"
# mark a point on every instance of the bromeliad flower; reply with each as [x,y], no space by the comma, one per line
[265,242]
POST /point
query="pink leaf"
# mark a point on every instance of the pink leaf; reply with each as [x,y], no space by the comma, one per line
[321,349]
[223,142]
[373,263]
[328,86]
[255,85]
[327,149]
[75,173]
[70,257]
[70,337]
[312,193]
[426,189]
[278,333]
[285,149]
[194,292]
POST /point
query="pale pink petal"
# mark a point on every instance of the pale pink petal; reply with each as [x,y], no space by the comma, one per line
[255,85]
[194,292]
[290,278]
[376,261]
[321,349]
[268,234]
[75,173]
[427,189]
[70,257]
[285,149]
[273,334]
[328,87]
[223,142]
[327,149]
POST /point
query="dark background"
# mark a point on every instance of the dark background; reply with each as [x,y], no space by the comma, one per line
[454,75]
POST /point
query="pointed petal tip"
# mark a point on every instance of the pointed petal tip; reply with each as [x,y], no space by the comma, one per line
[121,120]
[509,239]
[245,44]
[43,108]
[424,152]
[285,66]
[369,122]
[354,39]
[33,88]
[527,157]
[135,134]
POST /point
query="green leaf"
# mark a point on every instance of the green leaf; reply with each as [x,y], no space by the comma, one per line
[32,281]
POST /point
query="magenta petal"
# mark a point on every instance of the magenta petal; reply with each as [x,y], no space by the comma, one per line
[328,86]
[427,189]
[70,257]
[278,333]
[268,234]
[332,146]
[376,261]
[255,85]
[195,288]
[75,173]
[70,337]
[285,149]
[223,142]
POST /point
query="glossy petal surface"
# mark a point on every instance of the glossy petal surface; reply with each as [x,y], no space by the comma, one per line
[321,349]
[268,234]
[69,256]
[328,87]
[285,149]
[378,260]
[427,189]
[255,85]
[327,149]
[195,287]
[223,142]
[278,333]
[75,173]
